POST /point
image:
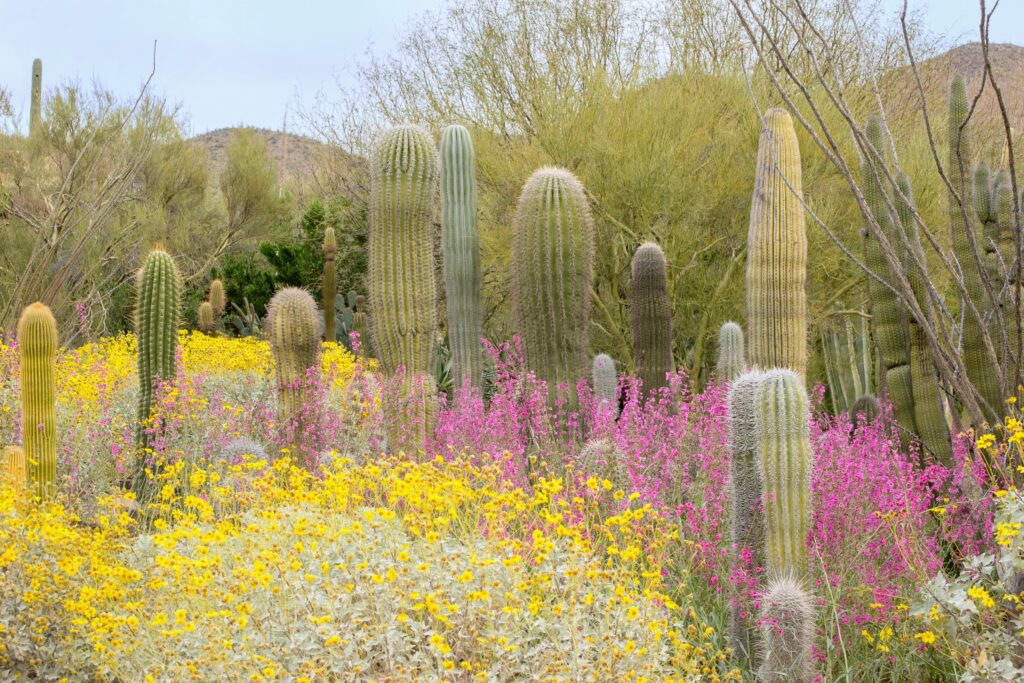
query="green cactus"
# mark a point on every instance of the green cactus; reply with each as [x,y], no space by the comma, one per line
[14,465]
[783,432]
[731,360]
[746,489]
[982,373]
[403,293]
[217,298]
[604,378]
[293,328]
[37,343]
[847,354]
[864,410]
[603,459]
[777,252]
[156,327]
[787,615]
[330,247]
[205,319]
[359,325]
[35,112]
[553,253]
[651,316]
[460,246]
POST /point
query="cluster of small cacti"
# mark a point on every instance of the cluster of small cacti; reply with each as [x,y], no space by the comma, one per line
[37,343]
[651,316]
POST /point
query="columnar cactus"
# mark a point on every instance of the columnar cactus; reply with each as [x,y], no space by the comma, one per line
[37,342]
[731,360]
[652,316]
[14,465]
[604,378]
[217,298]
[205,319]
[156,327]
[777,252]
[359,325]
[864,410]
[403,294]
[746,489]
[330,247]
[787,615]
[783,434]
[293,328]
[553,253]
[460,246]
[35,112]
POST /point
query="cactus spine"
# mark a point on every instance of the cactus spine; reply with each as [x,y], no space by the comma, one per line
[293,327]
[731,361]
[204,317]
[746,487]
[652,316]
[553,253]
[788,633]
[777,252]
[330,248]
[604,378]
[217,299]
[35,112]
[15,465]
[156,326]
[37,342]
[460,245]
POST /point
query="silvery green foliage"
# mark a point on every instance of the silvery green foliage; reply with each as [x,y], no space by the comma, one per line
[234,451]
[787,636]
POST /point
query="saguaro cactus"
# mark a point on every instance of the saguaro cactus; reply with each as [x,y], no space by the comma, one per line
[205,319]
[330,288]
[553,253]
[217,299]
[403,293]
[35,111]
[15,465]
[37,342]
[359,325]
[156,326]
[604,378]
[293,328]
[777,252]
[460,245]
[731,361]
[652,316]
[787,613]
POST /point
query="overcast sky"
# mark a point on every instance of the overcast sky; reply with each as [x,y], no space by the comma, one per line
[232,63]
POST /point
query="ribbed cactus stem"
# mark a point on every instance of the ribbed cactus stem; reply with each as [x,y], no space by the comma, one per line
[787,615]
[731,360]
[217,299]
[777,252]
[330,290]
[864,410]
[35,112]
[651,316]
[205,319]
[360,326]
[460,245]
[403,293]
[603,459]
[14,465]
[293,328]
[604,378]
[37,343]
[157,316]
[783,433]
[745,484]
[553,257]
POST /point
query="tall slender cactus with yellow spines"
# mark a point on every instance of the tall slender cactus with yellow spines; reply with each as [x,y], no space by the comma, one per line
[460,245]
[651,316]
[14,465]
[330,292]
[731,358]
[293,328]
[981,371]
[37,343]
[553,256]
[35,112]
[217,299]
[777,252]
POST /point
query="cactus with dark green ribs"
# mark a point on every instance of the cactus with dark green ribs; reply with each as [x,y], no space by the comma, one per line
[776,296]
[330,247]
[205,319]
[35,112]
[157,315]
[787,616]
[553,253]
[14,465]
[864,410]
[651,316]
[604,378]
[746,490]
[217,299]
[731,361]
[37,344]
[293,328]
[460,245]
[981,371]
[403,293]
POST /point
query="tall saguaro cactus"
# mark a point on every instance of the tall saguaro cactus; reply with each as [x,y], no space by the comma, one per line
[156,326]
[330,288]
[460,245]
[777,252]
[37,342]
[293,327]
[553,256]
[731,358]
[651,316]
[35,112]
